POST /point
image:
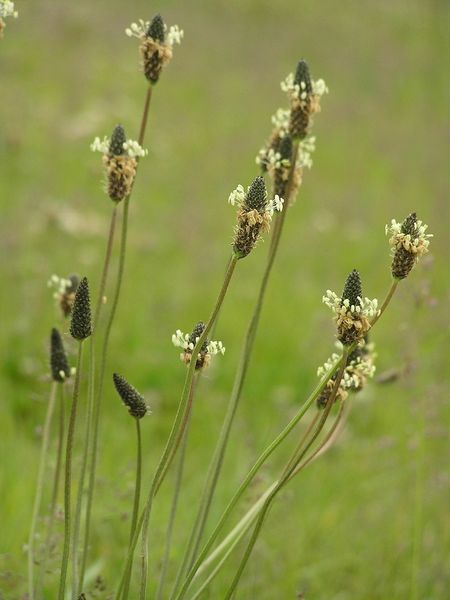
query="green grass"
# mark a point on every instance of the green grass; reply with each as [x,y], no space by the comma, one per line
[345,529]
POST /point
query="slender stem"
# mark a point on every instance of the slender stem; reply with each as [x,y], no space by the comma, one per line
[219,566]
[328,440]
[251,474]
[56,481]
[68,474]
[40,487]
[174,506]
[168,455]
[418,511]
[105,270]
[285,478]
[78,575]
[302,441]
[219,452]
[104,351]
[386,301]
[173,436]
[143,127]
[237,530]
[137,493]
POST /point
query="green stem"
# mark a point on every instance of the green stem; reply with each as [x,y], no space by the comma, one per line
[173,509]
[418,513]
[386,301]
[168,455]
[68,474]
[251,474]
[137,492]
[221,446]
[56,480]
[105,270]
[40,487]
[326,442]
[104,351]
[78,576]
[285,478]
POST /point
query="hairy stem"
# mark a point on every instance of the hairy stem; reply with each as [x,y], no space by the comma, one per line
[40,487]
[68,475]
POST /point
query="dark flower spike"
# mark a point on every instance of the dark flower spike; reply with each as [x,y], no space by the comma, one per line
[132,399]
[285,147]
[157,29]
[188,342]
[302,76]
[118,139]
[352,289]
[58,359]
[156,44]
[409,242]
[254,215]
[80,325]
[256,198]
[352,312]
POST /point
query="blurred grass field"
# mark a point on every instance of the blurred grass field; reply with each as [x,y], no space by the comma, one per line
[369,520]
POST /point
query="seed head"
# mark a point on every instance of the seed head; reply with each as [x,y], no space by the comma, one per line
[58,359]
[118,139]
[156,29]
[132,399]
[80,326]
[352,289]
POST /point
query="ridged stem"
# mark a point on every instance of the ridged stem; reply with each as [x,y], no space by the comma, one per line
[104,350]
[173,510]
[68,475]
[285,478]
[180,417]
[105,269]
[78,574]
[251,474]
[174,433]
[219,452]
[55,490]
[40,487]
[137,492]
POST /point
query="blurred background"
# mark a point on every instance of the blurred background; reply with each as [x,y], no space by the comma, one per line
[367,521]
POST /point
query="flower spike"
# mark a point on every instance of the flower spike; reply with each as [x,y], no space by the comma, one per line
[188,341]
[156,44]
[408,242]
[132,399]
[80,325]
[58,359]
[120,157]
[352,311]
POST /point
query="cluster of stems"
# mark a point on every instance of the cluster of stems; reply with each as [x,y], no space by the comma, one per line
[284,160]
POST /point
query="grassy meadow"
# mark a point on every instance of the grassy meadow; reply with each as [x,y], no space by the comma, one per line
[369,520]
